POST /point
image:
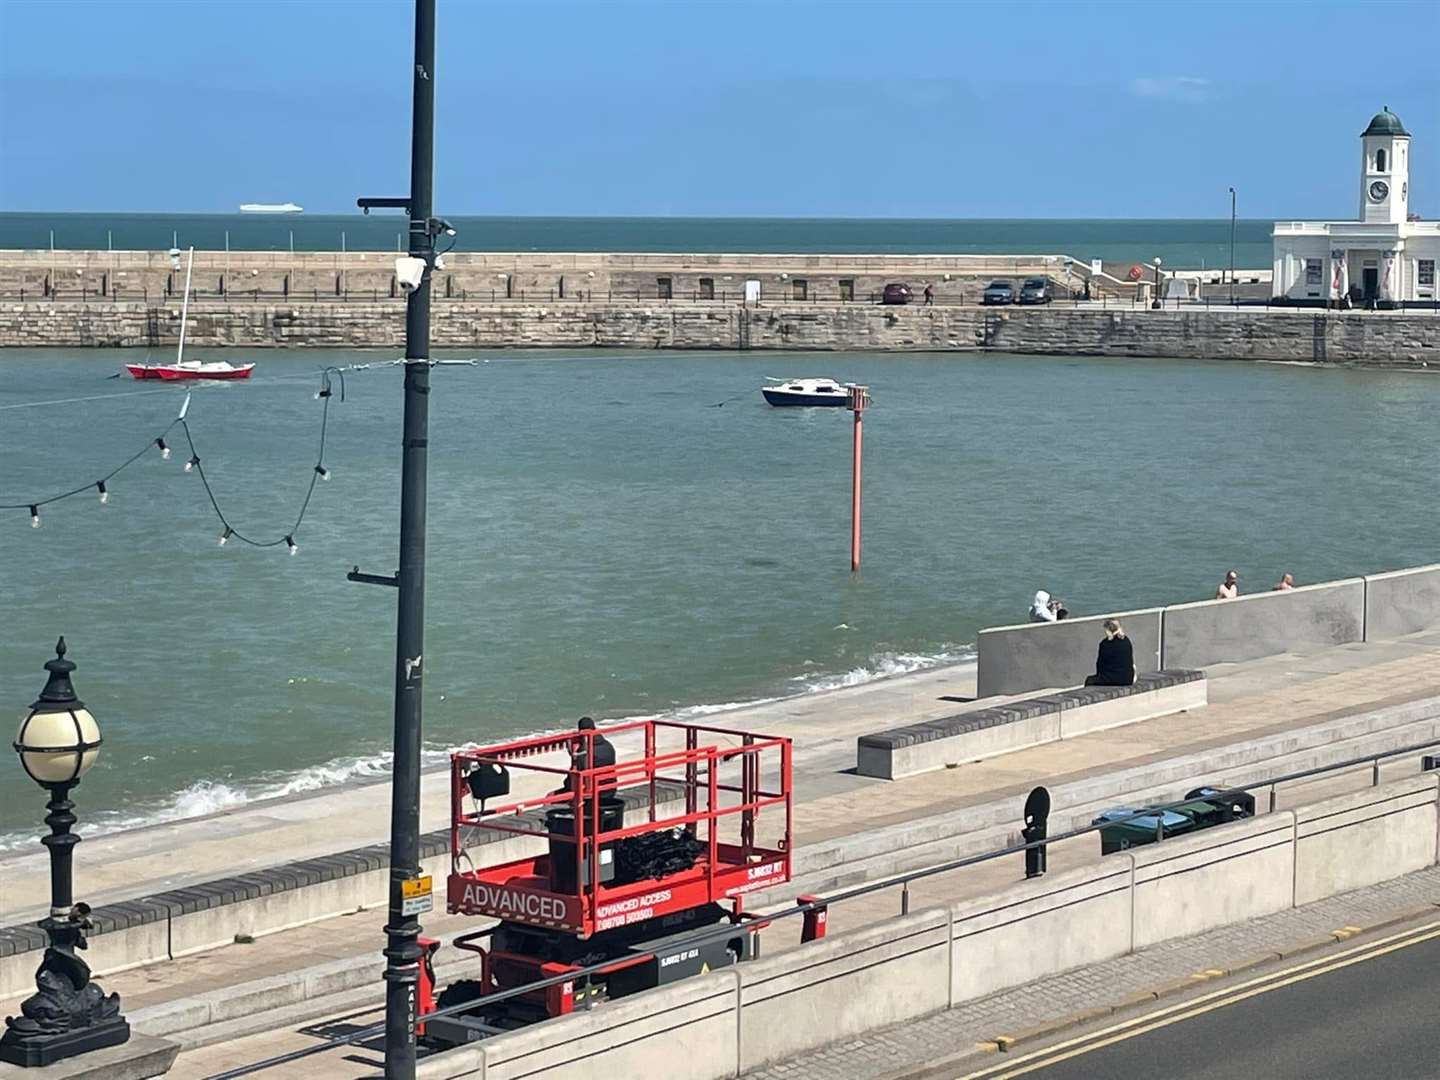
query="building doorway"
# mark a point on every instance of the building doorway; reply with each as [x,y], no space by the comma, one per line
[1370,283]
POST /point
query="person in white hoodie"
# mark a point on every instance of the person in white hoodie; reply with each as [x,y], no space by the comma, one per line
[1042,610]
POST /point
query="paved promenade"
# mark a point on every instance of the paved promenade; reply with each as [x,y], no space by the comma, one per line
[1248,701]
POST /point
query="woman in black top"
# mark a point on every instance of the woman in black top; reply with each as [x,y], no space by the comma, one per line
[1115,662]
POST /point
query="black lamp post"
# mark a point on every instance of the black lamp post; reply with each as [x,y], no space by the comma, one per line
[1155,300]
[68,1014]
[1232,247]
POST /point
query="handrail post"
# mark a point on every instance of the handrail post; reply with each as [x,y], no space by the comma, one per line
[1272,798]
[905,897]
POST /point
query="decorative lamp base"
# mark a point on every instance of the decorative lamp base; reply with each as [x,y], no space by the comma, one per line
[32,1051]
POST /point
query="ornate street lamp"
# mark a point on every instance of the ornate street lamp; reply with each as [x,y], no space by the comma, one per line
[1155,300]
[68,1014]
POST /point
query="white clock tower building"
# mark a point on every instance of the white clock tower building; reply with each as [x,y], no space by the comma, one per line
[1385,170]
[1385,258]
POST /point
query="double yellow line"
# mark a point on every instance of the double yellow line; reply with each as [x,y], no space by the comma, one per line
[1218,999]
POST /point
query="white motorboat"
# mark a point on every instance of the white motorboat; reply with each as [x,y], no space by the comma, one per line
[270,208]
[806,392]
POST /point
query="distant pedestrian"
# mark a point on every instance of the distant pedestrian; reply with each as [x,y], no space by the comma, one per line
[929,294]
[1047,608]
[1115,661]
[1228,589]
[1285,584]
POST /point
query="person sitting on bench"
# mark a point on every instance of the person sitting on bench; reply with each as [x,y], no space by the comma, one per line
[1115,661]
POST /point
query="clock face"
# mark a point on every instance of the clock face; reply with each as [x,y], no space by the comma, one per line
[1378,190]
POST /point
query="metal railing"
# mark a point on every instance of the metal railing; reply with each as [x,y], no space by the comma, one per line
[902,881]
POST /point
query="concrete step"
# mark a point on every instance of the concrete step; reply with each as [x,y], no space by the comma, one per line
[286,1000]
[910,845]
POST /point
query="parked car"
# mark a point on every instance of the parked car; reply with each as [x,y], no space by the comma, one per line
[998,292]
[897,292]
[1035,290]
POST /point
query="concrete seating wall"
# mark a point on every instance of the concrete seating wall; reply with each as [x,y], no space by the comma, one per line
[1401,602]
[1035,656]
[1000,729]
[1031,656]
[728,1023]
[1265,624]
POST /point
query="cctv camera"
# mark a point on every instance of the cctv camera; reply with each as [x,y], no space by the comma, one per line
[410,272]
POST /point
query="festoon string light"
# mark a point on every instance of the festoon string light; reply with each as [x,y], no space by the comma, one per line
[193,464]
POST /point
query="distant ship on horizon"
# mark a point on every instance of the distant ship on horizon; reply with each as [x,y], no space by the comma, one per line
[270,208]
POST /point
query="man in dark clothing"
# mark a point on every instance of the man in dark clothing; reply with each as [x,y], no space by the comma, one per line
[1115,661]
[929,293]
[579,756]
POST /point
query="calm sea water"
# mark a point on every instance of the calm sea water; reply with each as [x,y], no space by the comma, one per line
[1181,244]
[602,540]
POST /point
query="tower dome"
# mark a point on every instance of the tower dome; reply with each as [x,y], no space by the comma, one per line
[1385,122]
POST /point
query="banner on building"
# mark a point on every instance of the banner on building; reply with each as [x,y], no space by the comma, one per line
[1340,275]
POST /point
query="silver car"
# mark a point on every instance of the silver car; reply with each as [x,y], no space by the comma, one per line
[1035,290]
[998,292]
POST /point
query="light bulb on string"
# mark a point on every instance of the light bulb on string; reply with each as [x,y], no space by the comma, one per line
[34,517]
[322,472]
[164,450]
[100,487]
[294,547]
[194,460]
[224,536]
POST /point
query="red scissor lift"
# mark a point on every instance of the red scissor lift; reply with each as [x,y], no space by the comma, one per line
[622,862]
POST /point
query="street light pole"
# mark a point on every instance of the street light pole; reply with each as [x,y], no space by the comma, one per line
[402,952]
[1232,247]
[68,1014]
[1155,304]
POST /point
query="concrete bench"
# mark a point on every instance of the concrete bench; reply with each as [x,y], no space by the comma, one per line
[1000,729]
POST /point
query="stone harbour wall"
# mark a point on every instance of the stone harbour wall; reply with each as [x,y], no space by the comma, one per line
[1402,339]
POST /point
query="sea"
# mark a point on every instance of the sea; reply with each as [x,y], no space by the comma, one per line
[1182,244]
[607,537]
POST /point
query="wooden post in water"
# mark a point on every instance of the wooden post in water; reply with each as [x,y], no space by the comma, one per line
[859,398]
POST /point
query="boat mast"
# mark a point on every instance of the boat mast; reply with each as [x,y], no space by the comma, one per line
[185,307]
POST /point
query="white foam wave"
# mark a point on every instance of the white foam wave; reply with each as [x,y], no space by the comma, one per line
[205,797]
[884,666]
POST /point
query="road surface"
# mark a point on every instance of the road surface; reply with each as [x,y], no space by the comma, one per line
[1365,1012]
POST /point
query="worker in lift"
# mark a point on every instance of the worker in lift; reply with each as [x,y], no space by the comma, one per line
[579,754]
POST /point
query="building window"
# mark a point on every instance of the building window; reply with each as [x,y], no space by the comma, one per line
[1425,272]
[1314,270]
[707,288]
[847,288]
[801,287]
[1379,160]
[662,288]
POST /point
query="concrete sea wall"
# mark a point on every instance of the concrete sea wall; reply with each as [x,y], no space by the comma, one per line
[1379,339]
[745,1017]
[1036,656]
[248,276]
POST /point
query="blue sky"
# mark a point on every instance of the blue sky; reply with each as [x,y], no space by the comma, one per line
[788,107]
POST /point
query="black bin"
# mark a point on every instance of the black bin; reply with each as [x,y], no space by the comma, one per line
[560,820]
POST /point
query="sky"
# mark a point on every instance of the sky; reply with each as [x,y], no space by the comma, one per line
[795,108]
